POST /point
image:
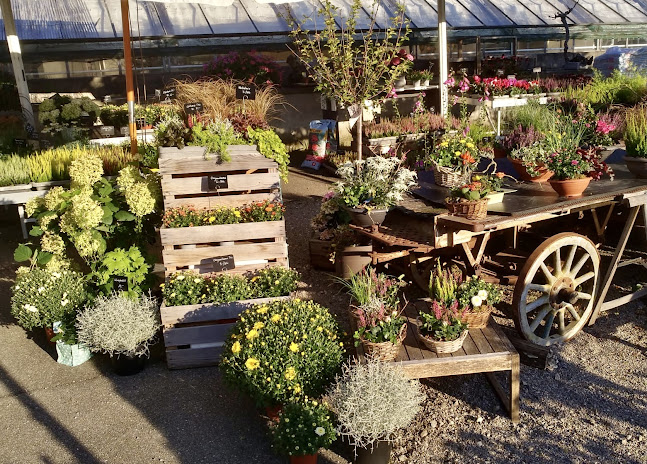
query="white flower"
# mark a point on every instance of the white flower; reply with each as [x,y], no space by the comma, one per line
[41,289]
[320,431]
[30,308]
[65,295]
[482,294]
[56,274]
[64,302]
[197,281]
[387,319]
[476,301]
[180,277]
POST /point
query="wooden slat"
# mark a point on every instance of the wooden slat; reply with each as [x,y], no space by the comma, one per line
[209,312]
[469,364]
[239,162]
[195,335]
[236,183]
[411,346]
[494,338]
[222,233]
[193,357]
[245,252]
[223,200]
[480,341]
[469,346]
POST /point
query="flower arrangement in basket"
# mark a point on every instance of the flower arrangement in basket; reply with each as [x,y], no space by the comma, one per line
[453,159]
[303,428]
[479,297]
[443,330]
[470,200]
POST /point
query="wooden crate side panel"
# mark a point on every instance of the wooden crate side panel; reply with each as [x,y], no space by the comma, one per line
[237,183]
[197,165]
[240,270]
[218,201]
[222,233]
[193,357]
[241,253]
[216,333]
[207,312]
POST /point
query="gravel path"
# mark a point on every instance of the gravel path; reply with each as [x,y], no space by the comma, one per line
[591,407]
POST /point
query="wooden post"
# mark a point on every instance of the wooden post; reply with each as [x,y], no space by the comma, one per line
[16,61]
[130,88]
[442,58]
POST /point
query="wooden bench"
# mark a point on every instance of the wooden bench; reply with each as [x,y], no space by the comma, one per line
[485,351]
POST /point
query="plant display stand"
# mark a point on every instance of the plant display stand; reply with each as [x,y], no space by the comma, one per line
[194,334]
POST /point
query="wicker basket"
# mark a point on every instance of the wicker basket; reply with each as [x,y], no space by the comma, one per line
[385,351]
[474,209]
[446,177]
[441,347]
[477,320]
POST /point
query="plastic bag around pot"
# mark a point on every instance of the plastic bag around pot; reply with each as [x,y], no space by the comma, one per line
[72,355]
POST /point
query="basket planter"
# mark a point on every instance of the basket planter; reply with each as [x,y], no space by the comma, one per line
[571,187]
[72,355]
[446,177]
[637,166]
[544,173]
[477,320]
[385,351]
[367,217]
[440,346]
[474,209]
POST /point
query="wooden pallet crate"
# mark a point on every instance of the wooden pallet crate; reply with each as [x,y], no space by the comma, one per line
[195,334]
[250,177]
[253,245]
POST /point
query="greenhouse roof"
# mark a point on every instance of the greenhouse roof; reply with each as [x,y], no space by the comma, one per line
[83,20]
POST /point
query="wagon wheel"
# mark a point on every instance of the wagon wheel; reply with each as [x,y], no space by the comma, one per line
[555,292]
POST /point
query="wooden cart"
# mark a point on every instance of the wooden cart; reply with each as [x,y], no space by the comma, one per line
[559,286]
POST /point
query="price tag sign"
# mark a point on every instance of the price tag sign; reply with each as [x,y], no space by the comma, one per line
[500,72]
[120,284]
[536,70]
[107,131]
[193,108]
[217,182]
[223,263]
[20,143]
[169,94]
[245,92]
[125,131]
[45,144]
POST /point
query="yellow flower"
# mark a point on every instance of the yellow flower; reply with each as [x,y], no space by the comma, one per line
[463,141]
[255,278]
[275,318]
[236,213]
[211,219]
[235,348]
[297,389]
[262,310]
[259,325]
[470,145]
[252,334]
[457,153]
[477,177]
[290,373]
[320,329]
[294,347]
[252,364]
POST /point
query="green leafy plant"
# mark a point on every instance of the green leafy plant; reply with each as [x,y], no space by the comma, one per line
[271,146]
[216,137]
[303,428]
[112,115]
[368,285]
[282,352]
[478,295]
[122,263]
[274,281]
[171,132]
[41,297]
[372,401]
[226,288]
[532,157]
[118,325]
[636,131]
[444,323]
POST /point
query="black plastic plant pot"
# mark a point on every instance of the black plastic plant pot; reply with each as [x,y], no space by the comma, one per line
[127,364]
[379,454]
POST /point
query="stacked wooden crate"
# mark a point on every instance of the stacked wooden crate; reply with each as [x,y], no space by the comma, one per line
[194,334]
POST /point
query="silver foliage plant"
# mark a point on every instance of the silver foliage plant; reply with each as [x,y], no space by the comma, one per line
[118,325]
[372,401]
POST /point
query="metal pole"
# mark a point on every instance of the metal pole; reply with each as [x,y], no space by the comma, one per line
[442,58]
[16,61]
[128,71]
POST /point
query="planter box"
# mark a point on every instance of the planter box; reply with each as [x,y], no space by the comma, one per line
[320,251]
[194,334]
[185,174]
[253,245]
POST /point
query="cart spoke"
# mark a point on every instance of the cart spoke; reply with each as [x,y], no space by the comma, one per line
[573,311]
[540,317]
[544,288]
[549,325]
[537,303]
[580,280]
[562,325]
[583,296]
[549,277]
[569,260]
[580,264]
[558,262]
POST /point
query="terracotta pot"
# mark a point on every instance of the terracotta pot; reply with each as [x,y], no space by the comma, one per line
[366,218]
[571,187]
[500,152]
[273,412]
[49,334]
[307,459]
[379,454]
[637,166]
[545,174]
[352,260]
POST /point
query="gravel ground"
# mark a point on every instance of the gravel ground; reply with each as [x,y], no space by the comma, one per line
[591,407]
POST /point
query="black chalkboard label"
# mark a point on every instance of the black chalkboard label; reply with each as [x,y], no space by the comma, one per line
[45,144]
[223,263]
[246,92]
[107,131]
[169,94]
[193,108]
[120,284]
[20,143]
[218,182]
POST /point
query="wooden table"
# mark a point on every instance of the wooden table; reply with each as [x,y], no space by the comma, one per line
[485,351]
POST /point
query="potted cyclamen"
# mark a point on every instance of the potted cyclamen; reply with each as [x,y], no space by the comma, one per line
[635,137]
[303,428]
[372,401]
[368,188]
[453,159]
[478,297]
[122,327]
[574,169]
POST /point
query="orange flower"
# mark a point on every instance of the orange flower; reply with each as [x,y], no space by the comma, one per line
[268,209]
[500,175]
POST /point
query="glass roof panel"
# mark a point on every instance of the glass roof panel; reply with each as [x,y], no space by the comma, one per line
[629,9]
[144,19]
[179,19]
[229,19]
[519,12]
[457,15]
[545,10]
[265,16]
[486,12]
